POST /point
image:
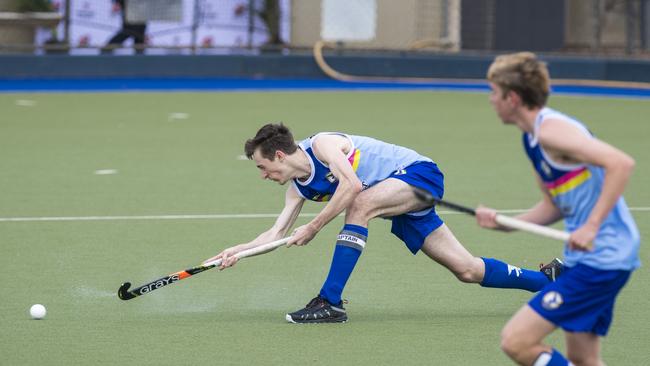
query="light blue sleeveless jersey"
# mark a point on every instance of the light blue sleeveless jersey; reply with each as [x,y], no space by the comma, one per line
[575,190]
[372,160]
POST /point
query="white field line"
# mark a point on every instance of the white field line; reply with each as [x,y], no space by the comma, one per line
[210,217]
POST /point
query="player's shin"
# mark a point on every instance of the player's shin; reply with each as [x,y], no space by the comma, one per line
[349,245]
[502,275]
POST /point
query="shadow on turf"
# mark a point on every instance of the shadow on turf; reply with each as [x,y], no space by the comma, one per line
[421,315]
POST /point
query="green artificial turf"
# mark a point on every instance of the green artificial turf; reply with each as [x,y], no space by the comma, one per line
[180,154]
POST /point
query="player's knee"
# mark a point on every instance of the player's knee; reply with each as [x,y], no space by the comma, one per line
[359,210]
[511,345]
[467,276]
[509,348]
[469,273]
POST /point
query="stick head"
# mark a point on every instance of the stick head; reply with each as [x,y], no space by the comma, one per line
[124,293]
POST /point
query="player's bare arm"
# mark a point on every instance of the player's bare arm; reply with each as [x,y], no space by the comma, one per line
[292,206]
[543,212]
[331,150]
[567,143]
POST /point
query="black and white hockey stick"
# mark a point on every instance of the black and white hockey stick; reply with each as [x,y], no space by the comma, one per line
[125,294]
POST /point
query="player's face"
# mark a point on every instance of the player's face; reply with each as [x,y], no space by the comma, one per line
[502,104]
[274,170]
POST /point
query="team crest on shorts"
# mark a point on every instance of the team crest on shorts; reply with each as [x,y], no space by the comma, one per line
[552,300]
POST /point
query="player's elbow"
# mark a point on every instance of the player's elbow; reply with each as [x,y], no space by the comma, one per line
[628,164]
[620,165]
[357,187]
[353,187]
[624,166]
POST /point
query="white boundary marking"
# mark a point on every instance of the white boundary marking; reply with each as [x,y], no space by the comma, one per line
[25,102]
[209,216]
[105,171]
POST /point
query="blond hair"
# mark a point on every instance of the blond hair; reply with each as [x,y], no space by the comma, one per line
[524,74]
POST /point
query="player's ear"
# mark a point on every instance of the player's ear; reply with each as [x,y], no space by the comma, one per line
[514,97]
[280,155]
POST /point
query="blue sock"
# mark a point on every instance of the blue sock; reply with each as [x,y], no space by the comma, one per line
[502,275]
[349,246]
[552,359]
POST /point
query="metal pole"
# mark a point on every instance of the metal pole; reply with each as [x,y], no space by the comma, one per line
[195,24]
[629,28]
[444,31]
[645,29]
[595,42]
[490,39]
[642,26]
[251,23]
[66,22]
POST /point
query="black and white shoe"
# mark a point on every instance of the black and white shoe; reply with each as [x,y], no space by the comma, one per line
[553,269]
[319,310]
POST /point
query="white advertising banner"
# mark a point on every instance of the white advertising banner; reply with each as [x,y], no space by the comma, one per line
[185,23]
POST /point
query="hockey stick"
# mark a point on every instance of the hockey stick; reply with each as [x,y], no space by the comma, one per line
[125,294]
[507,221]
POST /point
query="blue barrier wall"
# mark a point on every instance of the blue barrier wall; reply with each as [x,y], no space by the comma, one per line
[300,66]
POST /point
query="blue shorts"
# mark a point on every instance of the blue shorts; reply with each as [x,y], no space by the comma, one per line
[413,227]
[581,300]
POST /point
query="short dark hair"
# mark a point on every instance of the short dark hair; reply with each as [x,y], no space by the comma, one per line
[270,138]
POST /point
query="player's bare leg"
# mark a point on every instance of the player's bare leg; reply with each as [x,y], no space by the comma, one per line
[388,198]
[521,338]
[443,247]
[583,349]
[394,197]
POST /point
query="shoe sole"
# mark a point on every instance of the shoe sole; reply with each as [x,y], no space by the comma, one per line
[316,321]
